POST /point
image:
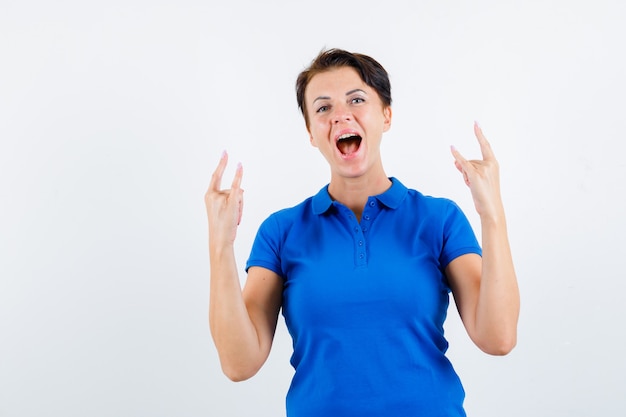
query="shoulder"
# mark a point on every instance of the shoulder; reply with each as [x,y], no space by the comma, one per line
[429,210]
[282,220]
[429,203]
[310,207]
[291,213]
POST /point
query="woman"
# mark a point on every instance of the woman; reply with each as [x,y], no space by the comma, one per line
[362,270]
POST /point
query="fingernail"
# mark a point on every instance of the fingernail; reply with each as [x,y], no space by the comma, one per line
[239,166]
[477,124]
[223,154]
[453,148]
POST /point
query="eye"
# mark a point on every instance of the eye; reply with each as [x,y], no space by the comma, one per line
[357,100]
[322,109]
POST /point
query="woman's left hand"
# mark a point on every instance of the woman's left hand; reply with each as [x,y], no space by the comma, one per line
[481,176]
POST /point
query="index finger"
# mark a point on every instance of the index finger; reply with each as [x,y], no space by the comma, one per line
[216,178]
[485,146]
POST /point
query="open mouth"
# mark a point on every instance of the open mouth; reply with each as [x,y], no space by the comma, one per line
[348,143]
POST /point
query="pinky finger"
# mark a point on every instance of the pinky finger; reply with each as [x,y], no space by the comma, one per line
[458,165]
[238,176]
[459,160]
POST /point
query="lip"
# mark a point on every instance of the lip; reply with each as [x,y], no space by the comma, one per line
[346,131]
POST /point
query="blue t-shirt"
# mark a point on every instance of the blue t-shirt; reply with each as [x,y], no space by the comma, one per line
[365,302]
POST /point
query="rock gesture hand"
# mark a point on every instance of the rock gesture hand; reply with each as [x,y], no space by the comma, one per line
[224,207]
[481,176]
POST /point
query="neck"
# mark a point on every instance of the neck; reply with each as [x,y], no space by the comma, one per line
[353,192]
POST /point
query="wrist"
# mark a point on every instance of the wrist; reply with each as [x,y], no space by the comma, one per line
[493,217]
[219,248]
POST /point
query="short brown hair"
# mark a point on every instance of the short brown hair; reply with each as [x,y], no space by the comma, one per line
[371,72]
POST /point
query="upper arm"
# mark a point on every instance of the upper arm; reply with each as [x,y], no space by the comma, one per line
[464,274]
[262,296]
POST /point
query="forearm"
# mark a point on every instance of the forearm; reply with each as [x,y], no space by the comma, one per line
[498,305]
[233,331]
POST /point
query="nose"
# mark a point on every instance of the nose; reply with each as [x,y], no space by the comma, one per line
[342,114]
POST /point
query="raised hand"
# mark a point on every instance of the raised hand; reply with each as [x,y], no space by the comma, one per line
[481,176]
[486,290]
[224,207]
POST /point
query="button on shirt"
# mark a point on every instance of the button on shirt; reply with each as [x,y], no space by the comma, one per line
[365,302]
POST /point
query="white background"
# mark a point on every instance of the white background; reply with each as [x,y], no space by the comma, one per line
[114,114]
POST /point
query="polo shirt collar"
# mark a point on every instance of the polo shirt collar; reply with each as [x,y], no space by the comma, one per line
[394,195]
[322,201]
[391,198]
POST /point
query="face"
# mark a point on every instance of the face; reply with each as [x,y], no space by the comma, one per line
[346,121]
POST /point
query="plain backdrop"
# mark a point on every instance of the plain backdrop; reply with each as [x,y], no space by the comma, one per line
[114,114]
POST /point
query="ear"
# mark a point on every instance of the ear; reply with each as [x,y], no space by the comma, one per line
[311,138]
[387,122]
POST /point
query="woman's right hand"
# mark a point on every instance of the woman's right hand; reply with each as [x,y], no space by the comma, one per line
[224,207]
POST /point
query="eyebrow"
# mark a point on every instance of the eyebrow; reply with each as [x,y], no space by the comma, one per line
[347,94]
[355,90]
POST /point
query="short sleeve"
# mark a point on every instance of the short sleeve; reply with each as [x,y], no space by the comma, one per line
[459,238]
[266,247]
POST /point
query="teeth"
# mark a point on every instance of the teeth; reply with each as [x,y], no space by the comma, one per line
[346,136]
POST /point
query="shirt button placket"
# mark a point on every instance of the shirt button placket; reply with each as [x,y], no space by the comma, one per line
[365,221]
[360,247]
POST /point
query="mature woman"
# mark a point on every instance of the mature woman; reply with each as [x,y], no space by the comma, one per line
[363,269]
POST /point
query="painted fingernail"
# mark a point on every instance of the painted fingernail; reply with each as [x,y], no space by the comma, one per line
[239,166]
[223,154]
[477,124]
